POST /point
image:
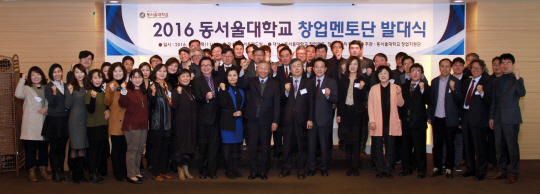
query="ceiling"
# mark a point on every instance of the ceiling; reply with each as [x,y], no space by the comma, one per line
[269,2]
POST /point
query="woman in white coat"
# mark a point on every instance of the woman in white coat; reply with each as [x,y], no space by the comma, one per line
[34,109]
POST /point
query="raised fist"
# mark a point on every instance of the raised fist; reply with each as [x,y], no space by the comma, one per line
[93,94]
[179,89]
[287,87]
[53,89]
[480,89]
[222,86]
[452,85]
[422,85]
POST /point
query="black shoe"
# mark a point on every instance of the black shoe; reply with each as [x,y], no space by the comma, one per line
[142,178]
[479,177]
[421,175]
[405,173]
[324,172]
[380,175]
[75,177]
[253,176]
[56,177]
[301,175]
[203,174]
[142,171]
[264,177]
[62,176]
[230,175]
[104,175]
[467,174]
[172,167]
[284,174]
[129,180]
[94,177]
[449,175]
[389,175]
[311,173]
[435,173]
[119,178]
[349,172]
[356,172]
[237,174]
[213,175]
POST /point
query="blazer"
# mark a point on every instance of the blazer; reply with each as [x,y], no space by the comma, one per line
[32,121]
[268,101]
[359,97]
[376,114]
[333,67]
[221,73]
[227,103]
[452,100]
[117,112]
[416,104]
[281,74]
[322,106]
[478,105]
[207,110]
[299,108]
[506,101]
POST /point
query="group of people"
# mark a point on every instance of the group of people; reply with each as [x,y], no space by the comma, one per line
[211,101]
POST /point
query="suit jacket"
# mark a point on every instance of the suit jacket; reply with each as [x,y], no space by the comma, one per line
[227,103]
[333,67]
[478,105]
[281,74]
[268,100]
[451,100]
[300,107]
[416,104]
[221,73]
[323,107]
[506,101]
[207,110]
[376,114]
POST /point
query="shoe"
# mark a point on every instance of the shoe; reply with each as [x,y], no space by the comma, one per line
[181,175]
[467,174]
[356,172]
[94,177]
[104,175]
[405,173]
[380,175]
[499,175]
[389,175]
[142,171]
[119,178]
[43,170]
[301,175]
[56,177]
[421,175]
[284,174]
[237,174]
[311,173]
[435,173]
[324,172]
[458,168]
[185,168]
[80,167]
[32,174]
[511,179]
[158,178]
[213,175]
[203,174]
[230,175]
[264,177]
[141,178]
[349,172]
[129,180]
[61,173]
[166,176]
[253,176]
[449,174]
[479,177]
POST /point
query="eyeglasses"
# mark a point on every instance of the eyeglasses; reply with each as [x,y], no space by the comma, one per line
[416,71]
[197,56]
[227,56]
[336,47]
[477,67]
[193,46]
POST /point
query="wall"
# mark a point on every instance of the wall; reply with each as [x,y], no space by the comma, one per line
[502,27]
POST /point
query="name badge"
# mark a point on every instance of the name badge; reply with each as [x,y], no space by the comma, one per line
[323,91]
[476,93]
[449,91]
[364,70]
[38,98]
[357,85]
[169,94]
[303,91]
[392,80]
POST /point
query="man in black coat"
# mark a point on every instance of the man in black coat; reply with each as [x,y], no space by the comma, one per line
[208,135]
[413,116]
[297,115]
[283,73]
[262,113]
[220,71]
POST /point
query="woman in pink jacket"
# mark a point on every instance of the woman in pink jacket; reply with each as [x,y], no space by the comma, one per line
[384,122]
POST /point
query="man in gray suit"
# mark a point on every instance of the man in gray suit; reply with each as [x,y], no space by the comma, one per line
[325,96]
[505,118]
[443,115]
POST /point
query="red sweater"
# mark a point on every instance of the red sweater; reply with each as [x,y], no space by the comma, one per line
[136,116]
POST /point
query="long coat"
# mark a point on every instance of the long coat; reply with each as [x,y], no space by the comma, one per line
[375,110]
[32,121]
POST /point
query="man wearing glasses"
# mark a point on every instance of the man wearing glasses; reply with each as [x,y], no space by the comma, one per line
[301,53]
[220,71]
[196,56]
[193,44]
[185,58]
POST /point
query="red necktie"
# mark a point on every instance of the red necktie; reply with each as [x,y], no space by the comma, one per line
[286,72]
[469,93]
[318,85]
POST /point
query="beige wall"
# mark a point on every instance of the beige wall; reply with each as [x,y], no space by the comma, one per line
[496,28]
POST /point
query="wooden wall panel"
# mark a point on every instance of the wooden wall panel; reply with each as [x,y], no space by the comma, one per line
[524,45]
[508,16]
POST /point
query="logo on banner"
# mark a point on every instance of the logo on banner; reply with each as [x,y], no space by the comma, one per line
[142,15]
[155,14]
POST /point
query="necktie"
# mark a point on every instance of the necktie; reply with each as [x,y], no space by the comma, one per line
[262,81]
[469,93]
[211,85]
[318,85]
[412,86]
[286,72]
[295,87]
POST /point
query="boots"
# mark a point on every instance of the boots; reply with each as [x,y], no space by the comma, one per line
[94,177]
[181,174]
[32,174]
[44,174]
[186,171]
[73,167]
[99,176]
[62,176]
[80,169]
[56,177]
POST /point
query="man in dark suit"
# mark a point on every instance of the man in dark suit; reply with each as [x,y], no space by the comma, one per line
[407,62]
[334,63]
[443,115]
[356,49]
[296,116]
[325,96]
[208,135]
[491,150]
[474,120]
[262,113]
[413,117]
[399,65]
[220,71]
[282,74]
[505,118]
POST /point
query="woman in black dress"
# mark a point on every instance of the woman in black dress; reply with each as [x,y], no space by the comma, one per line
[231,100]
[351,108]
[185,115]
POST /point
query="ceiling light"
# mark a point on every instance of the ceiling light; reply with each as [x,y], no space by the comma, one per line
[113,1]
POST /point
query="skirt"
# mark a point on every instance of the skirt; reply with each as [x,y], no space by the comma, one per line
[55,127]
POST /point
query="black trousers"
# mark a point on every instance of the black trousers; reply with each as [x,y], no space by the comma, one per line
[103,166]
[294,135]
[160,153]
[475,142]
[491,148]
[57,152]
[259,139]
[443,135]
[208,140]
[318,136]
[413,139]
[34,149]
[182,159]
[118,155]
[506,137]
[95,152]
[352,151]
[384,159]
[231,156]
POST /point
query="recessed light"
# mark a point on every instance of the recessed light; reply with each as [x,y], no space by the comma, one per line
[113,1]
[458,1]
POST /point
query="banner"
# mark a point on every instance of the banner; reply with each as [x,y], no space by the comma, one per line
[417,29]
